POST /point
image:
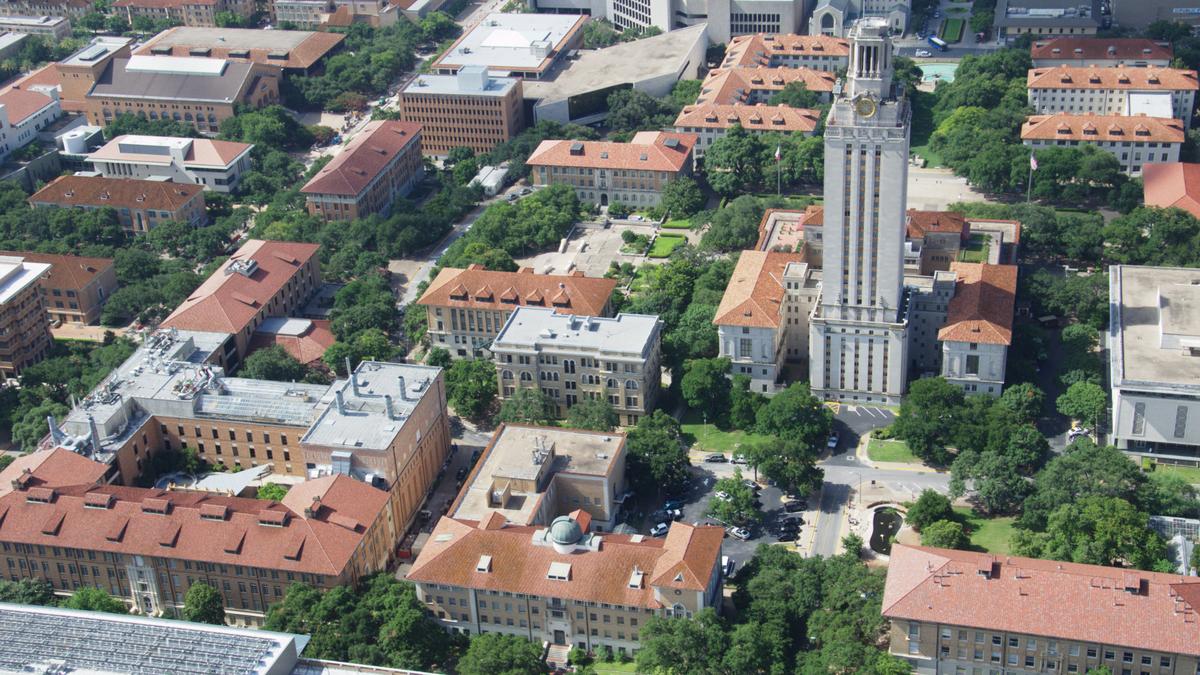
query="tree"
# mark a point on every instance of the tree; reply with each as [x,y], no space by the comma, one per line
[1096,530]
[273,363]
[272,491]
[795,415]
[471,387]
[1084,401]
[945,534]
[682,197]
[203,604]
[656,458]
[1083,469]
[929,508]
[738,507]
[744,404]
[499,654]
[635,110]
[797,95]
[792,464]
[437,356]
[527,406]
[678,645]
[1170,494]
[27,592]
[95,600]
[733,164]
[929,417]
[705,385]
[1024,400]
[596,414]
[93,21]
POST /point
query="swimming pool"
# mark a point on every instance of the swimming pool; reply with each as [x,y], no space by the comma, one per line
[934,72]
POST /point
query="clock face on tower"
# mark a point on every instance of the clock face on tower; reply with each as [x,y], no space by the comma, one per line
[865,107]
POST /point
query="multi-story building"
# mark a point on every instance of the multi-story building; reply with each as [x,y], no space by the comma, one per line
[763,317]
[1174,184]
[1014,18]
[1154,359]
[1102,52]
[470,109]
[978,328]
[466,308]
[262,279]
[528,46]
[604,172]
[571,357]
[216,165]
[962,611]
[54,27]
[791,230]
[24,113]
[147,546]
[1158,92]
[141,205]
[933,240]
[78,73]
[306,340]
[199,91]
[1134,141]
[757,84]
[834,17]
[186,12]
[383,162]
[11,43]
[1139,15]
[817,52]
[24,327]
[68,8]
[76,288]
[859,330]
[296,52]
[710,121]
[303,14]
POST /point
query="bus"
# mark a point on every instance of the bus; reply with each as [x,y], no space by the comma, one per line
[937,43]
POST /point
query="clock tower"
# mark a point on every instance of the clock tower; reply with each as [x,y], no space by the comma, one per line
[858,333]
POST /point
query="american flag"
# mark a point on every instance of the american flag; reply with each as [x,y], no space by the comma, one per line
[1032,162]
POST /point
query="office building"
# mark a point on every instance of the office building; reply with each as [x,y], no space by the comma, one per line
[183,12]
[933,240]
[1045,18]
[75,288]
[763,316]
[11,43]
[1136,16]
[528,46]
[817,52]
[381,164]
[470,109]
[78,73]
[604,172]
[297,52]
[1172,185]
[1153,344]
[835,17]
[1134,141]
[53,27]
[24,326]
[215,165]
[571,357]
[752,85]
[962,611]
[466,308]
[199,91]
[978,327]
[262,279]
[141,205]
[1079,52]
[1120,90]
[711,121]
[24,113]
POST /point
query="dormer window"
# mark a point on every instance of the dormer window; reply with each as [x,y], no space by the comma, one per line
[484,564]
[559,571]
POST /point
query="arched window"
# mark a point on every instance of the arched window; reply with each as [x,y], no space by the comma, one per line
[506,375]
[526,377]
[188,117]
[612,383]
[631,384]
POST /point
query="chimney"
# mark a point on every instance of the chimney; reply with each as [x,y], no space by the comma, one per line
[387,402]
[403,388]
[313,509]
[55,433]
[341,402]
[94,432]
[353,376]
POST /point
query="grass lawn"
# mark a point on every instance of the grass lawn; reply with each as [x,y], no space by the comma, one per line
[664,244]
[993,535]
[957,11]
[1189,473]
[922,127]
[614,667]
[712,439]
[681,224]
[890,451]
[976,251]
[952,30]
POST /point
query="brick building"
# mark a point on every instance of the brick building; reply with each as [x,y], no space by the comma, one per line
[24,327]
[818,52]
[1103,52]
[76,287]
[604,172]
[216,165]
[1119,90]
[978,329]
[470,109]
[186,12]
[380,164]
[1134,141]
[711,121]
[141,205]
[297,52]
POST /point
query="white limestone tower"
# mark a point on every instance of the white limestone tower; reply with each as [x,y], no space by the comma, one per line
[858,332]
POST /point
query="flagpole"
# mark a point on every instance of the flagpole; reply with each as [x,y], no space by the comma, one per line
[778,172]
[1029,182]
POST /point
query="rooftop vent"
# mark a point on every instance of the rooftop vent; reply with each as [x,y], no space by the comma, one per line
[559,571]
[484,564]
[576,148]
[671,143]
[635,577]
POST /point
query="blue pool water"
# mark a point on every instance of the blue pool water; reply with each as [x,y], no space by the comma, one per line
[934,72]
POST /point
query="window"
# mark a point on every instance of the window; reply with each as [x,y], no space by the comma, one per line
[1180,422]
[1139,419]
[972,364]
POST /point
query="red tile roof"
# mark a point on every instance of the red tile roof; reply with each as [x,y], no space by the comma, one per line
[480,288]
[757,50]
[20,104]
[1115,77]
[735,85]
[67,271]
[160,4]
[755,291]
[982,307]
[1095,128]
[57,466]
[364,158]
[786,226]
[181,41]
[920,223]
[752,117]
[647,151]
[118,193]
[1067,601]
[228,300]
[1125,49]
[1174,184]
[307,347]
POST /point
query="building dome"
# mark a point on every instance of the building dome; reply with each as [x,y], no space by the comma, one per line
[564,531]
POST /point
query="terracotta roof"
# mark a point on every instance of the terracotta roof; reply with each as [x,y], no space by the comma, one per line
[1095,128]
[220,303]
[1067,601]
[1125,49]
[735,85]
[785,227]
[364,158]
[752,118]
[454,549]
[118,193]
[1174,184]
[755,290]
[51,468]
[757,50]
[477,287]
[307,347]
[920,223]
[22,104]
[160,4]
[1115,77]
[982,307]
[200,152]
[67,271]
[46,75]
[179,41]
[647,151]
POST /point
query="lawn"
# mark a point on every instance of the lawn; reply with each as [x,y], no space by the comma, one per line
[614,667]
[681,224]
[708,438]
[922,127]
[890,451]
[976,251]
[952,30]
[664,244]
[1189,473]
[993,535]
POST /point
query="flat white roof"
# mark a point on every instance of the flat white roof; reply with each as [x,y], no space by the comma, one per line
[31,20]
[513,41]
[9,39]
[16,274]
[99,48]
[451,84]
[539,327]
[1154,325]
[362,420]
[176,65]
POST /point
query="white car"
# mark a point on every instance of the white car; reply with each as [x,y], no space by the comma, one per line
[833,440]
[728,565]
[740,532]
[723,496]
[738,459]
[1078,432]
[659,530]
[923,53]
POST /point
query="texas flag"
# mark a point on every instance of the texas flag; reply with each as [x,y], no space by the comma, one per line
[778,155]
[1032,162]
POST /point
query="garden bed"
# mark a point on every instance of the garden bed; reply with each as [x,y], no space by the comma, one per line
[665,244]
[952,30]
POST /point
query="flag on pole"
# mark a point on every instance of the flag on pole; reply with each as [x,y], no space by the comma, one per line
[778,155]
[1032,162]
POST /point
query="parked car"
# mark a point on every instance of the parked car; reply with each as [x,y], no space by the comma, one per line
[787,536]
[723,496]
[667,514]
[924,53]
[751,484]
[740,532]
[793,505]
[738,459]
[728,565]
[716,458]
[659,530]
[1077,432]
[673,504]
[833,440]
[526,191]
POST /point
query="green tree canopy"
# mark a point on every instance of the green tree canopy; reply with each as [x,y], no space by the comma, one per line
[1084,401]
[945,534]
[273,363]
[705,385]
[272,491]
[202,603]
[1096,530]
[928,417]
[929,508]
[596,414]
[95,600]
[500,654]
[682,197]
[795,415]
[738,508]
[656,458]
[527,405]
[471,385]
